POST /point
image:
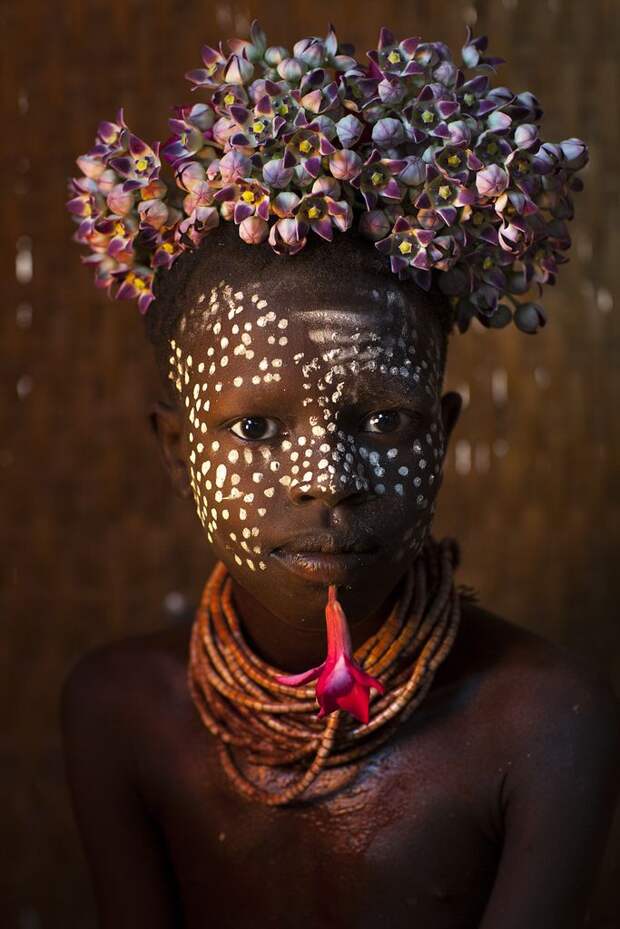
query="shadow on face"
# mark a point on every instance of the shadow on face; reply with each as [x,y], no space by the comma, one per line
[312,433]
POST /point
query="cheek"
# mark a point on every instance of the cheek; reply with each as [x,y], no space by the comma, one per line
[232,501]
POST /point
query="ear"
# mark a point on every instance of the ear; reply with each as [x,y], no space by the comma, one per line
[167,425]
[451,404]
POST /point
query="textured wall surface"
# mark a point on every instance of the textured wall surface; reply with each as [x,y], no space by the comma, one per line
[95,547]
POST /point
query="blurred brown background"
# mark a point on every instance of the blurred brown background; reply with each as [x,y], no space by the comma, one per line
[94,546]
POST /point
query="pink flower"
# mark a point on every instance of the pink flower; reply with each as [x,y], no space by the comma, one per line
[341,683]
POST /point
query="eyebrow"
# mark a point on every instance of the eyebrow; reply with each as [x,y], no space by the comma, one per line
[265,398]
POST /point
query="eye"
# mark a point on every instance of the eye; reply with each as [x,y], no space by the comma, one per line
[255,428]
[384,421]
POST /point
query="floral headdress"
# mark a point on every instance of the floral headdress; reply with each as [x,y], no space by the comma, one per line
[443,173]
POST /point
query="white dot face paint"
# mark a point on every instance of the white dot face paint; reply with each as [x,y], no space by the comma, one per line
[350,405]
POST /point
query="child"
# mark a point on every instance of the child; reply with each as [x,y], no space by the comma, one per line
[304,416]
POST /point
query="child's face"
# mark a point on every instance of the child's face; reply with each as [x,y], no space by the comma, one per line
[310,425]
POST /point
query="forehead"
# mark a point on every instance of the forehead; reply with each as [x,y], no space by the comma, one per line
[252,334]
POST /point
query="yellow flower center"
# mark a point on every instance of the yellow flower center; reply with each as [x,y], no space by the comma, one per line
[478,219]
[376,177]
[487,263]
[137,282]
[394,57]
[119,229]
[492,148]
[405,247]
[522,165]
[427,116]
[248,196]
[304,146]
[258,127]
[168,247]
[142,164]
[283,109]
[454,160]
[184,138]
[228,99]
[313,213]
[88,209]
[444,191]
[469,99]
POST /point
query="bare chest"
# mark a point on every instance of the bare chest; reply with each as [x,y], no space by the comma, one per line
[402,843]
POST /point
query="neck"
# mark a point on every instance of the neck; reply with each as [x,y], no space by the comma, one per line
[292,649]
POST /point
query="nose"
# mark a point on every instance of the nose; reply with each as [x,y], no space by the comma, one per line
[333,483]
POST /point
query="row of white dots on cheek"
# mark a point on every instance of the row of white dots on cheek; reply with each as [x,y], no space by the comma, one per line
[222,477]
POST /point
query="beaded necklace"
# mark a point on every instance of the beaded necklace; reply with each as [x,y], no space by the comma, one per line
[242,704]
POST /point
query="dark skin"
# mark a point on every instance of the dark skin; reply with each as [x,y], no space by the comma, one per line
[492,805]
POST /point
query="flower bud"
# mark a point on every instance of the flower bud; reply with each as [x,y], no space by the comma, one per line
[387,132]
[253,230]
[530,317]
[374,224]
[275,174]
[119,202]
[349,130]
[275,54]
[491,181]
[234,165]
[290,70]
[345,165]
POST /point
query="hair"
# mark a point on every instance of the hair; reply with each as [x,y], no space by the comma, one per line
[223,254]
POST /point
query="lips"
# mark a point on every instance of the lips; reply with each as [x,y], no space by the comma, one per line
[327,557]
[329,543]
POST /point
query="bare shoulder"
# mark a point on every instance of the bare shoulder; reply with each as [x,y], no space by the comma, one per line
[538,689]
[127,682]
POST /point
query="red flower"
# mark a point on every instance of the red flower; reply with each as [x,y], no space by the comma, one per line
[341,682]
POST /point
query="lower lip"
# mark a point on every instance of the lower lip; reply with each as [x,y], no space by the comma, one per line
[326,569]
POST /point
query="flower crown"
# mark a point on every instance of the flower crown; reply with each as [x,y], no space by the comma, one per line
[441,172]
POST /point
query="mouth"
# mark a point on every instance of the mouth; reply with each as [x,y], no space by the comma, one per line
[327,558]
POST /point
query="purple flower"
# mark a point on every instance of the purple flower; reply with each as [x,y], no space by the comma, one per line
[246,197]
[378,179]
[139,166]
[320,213]
[212,75]
[287,236]
[276,175]
[189,128]
[515,237]
[470,52]
[137,283]
[407,247]
[305,146]
[198,224]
